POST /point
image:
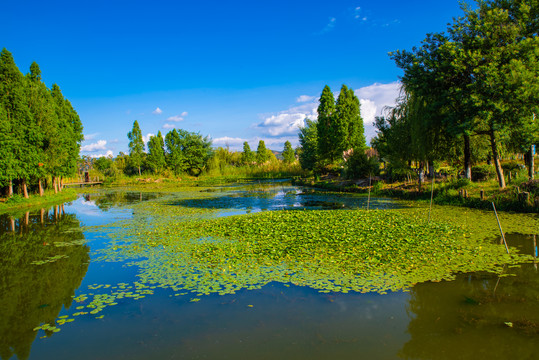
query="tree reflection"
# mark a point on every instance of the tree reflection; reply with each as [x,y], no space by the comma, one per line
[32,294]
[477,316]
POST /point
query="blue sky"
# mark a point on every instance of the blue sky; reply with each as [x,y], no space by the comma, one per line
[234,70]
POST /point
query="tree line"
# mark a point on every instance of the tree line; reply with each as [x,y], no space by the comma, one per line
[40,131]
[183,152]
[469,94]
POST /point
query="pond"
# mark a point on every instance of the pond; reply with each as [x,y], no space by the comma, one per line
[87,280]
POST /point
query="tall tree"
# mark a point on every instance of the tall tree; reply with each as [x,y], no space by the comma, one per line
[12,108]
[308,141]
[186,151]
[247,156]
[156,153]
[136,146]
[348,124]
[325,126]
[288,153]
[261,153]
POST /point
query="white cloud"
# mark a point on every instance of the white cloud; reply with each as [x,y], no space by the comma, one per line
[233,142]
[374,99]
[184,113]
[107,154]
[147,137]
[176,118]
[90,136]
[99,145]
[169,126]
[305,98]
[157,111]
[329,26]
[289,121]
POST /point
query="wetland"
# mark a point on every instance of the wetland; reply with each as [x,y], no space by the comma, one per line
[265,270]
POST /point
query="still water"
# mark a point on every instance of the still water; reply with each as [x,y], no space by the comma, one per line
[50,257]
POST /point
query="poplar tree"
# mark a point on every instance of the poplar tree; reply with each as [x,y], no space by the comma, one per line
[136,146]
[247,156]
[325,125]
[156,153]
[288,153]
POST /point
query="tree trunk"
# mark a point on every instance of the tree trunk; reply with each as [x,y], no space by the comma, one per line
[495,157]
[467,158]
[12,223]
[60,183]
[139,171]
[10,188]
[55,184]
[41,192]
[25,189]
[531,167]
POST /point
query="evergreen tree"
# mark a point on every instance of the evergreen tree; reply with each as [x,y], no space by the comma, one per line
[156,153]
[136,146]
[288,153]
[261,153]
[325,125]
[308,141]
[247,156]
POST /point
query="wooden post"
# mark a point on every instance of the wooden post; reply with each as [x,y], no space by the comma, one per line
[369,198]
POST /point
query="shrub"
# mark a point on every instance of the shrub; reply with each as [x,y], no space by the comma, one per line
[360,166]
[483,172]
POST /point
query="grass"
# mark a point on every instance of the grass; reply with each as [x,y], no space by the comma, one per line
[18,202]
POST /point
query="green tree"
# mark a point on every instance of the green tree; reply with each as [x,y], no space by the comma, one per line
[261,153]
[136,146]
[325,126]
[348,124]
[247,156]
[288,153]
[156,153]
[186,151]
[12,109]
[308,141]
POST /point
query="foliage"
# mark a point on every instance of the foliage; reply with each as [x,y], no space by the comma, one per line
[156,153]
[288,153]
[261,153]
[360,166]
[40,132]
[483,172]
[136,146]
[247,156]
[308,141]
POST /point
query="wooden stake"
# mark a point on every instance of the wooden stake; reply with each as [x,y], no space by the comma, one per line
[500,226]
[431,194]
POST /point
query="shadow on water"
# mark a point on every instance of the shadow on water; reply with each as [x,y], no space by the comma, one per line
[479,315]
[43,260]
[284,197]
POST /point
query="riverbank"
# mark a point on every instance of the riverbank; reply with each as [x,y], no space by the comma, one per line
[520,196]
[17,202]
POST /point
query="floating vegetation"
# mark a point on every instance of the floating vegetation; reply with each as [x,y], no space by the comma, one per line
[186,248]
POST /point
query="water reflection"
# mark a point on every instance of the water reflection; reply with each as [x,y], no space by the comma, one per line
[43,260]
[270,197]
[478,316]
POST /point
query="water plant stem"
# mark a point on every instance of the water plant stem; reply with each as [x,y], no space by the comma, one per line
[500,226]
